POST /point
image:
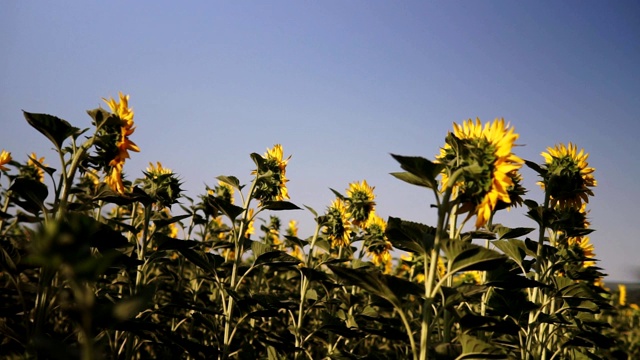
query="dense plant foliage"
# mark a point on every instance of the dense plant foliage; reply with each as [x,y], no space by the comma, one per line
[96,266]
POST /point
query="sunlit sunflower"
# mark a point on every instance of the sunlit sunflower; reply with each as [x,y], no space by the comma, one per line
[622,291]
[5,158]
[360,201]
[273,187]
[39,173]
[377,245]
[125,114]
[292,230]
[158,170]
[586,247]
[338,227]
[569,178]
[488,147]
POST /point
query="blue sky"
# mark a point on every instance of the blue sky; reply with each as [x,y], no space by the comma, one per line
[341,85]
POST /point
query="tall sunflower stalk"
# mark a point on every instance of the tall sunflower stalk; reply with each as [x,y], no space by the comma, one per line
[567,180]
[268,186]
[73,158]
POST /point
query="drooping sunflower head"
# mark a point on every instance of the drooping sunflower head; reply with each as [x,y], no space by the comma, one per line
[338,226]
[112,141]
[272,185]
[569,178]
[485,155]
[5,158]
[360,201]
[121,109]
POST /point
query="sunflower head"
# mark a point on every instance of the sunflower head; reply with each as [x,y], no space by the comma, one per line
[272,231]
[271,184]
[338,226]
[375,240]
[5,158]
[360,202]
[488,165]
[584,248]
[568,179]
[33,169]
[292,230]
[112,140]
[162,185]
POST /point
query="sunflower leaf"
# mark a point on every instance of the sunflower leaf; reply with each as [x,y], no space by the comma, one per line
[231,180]
[468,256]
[280,205]
[420,167]
[54,128]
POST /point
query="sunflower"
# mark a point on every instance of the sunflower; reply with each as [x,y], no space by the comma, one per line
[125,114]
[161,184]
[338,227]
[569,178]
[360,201]
[378,246]
[622,298]
[488,147]
[292,230]
[158,170]
[273,187]
[33,162]
[585,247]
[5,158]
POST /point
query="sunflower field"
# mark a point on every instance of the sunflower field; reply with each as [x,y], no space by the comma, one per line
[97,266]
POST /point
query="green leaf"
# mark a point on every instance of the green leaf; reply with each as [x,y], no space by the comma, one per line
[105,238]
[277,258]
[46,169]
[411,179]
[513,248]
[230,210]
[54,128]
[508,233]
[260,248]
[258,160]
[468,256]
[168,243]
[130,307]
[410,236]
[315,213]
[231,180]
[423,169]
[474,348]
[29,194]
[535,167]
[389,287]
[197,259]
[280,205]
[164,222]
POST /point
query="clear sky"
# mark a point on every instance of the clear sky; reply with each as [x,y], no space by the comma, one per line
[341,84]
